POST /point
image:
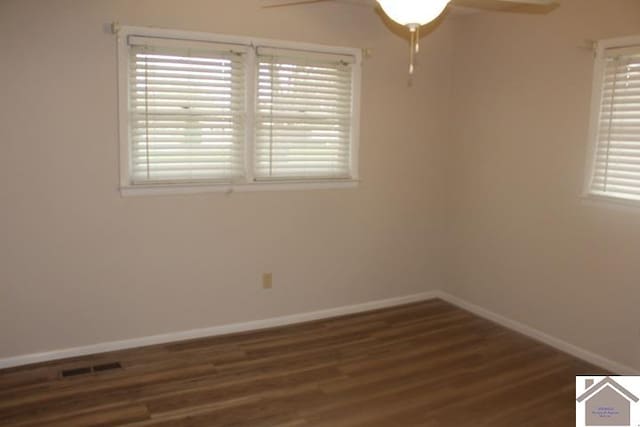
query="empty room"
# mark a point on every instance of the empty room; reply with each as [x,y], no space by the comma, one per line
[333,213]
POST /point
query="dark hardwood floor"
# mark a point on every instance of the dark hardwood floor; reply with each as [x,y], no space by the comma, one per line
[425,364]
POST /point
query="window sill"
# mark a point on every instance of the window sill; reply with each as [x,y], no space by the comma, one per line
[168,189]
[595,199]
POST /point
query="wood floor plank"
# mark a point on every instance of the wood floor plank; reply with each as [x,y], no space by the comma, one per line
[423,364]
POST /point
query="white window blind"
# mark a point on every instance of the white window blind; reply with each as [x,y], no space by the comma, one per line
[303,115]
[203,112]
[616,170]
[186,111]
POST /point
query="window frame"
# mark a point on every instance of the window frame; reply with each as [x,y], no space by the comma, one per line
[599,68]
[127,188]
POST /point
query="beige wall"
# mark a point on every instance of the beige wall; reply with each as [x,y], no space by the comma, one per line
[79,264]
[522,241]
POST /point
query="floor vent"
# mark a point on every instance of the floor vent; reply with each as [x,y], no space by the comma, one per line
[86,370]
[76,371]
[107,367]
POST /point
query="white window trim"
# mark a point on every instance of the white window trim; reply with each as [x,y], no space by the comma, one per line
[248,184]
[596,101]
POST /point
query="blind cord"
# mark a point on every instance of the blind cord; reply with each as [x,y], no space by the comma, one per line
[146,112]
[271,117]
[610,125]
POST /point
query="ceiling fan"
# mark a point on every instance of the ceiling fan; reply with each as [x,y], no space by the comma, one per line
[415,13]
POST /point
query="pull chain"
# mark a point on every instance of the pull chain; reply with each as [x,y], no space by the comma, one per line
[414,47]
[412,50]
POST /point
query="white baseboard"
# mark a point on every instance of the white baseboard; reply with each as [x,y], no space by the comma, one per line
[533,333]
[28,359]
[564,346]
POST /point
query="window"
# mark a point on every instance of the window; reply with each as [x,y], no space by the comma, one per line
[201,112]
[615,122]
[186,112]
[303,125]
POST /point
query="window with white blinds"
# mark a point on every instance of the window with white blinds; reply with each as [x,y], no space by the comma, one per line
[204,112]
[304,115]
[616,165]
[187,110]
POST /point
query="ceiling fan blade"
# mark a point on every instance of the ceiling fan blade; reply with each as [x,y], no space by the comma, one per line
[525,6]
[533,2]
[283,3]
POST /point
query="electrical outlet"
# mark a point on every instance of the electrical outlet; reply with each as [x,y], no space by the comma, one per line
[267,280]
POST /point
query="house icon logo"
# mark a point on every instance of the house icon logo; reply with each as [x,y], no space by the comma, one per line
[606,403]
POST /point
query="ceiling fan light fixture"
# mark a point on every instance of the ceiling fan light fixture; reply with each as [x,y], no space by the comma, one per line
[413,12]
